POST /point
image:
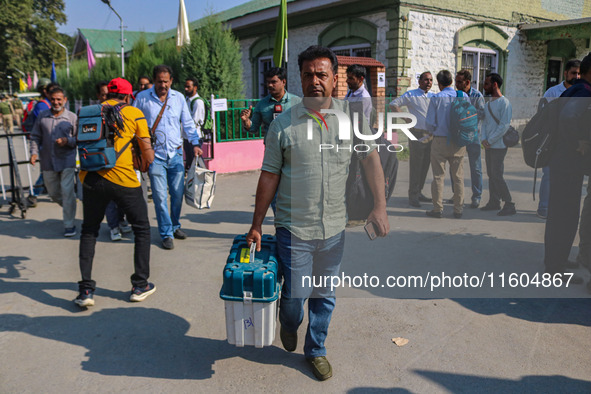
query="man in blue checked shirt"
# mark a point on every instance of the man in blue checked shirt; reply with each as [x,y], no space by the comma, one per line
[463,83]
[167,171]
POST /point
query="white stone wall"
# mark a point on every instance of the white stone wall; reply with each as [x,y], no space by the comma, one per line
[300,39]
[247,66]
[383,26]
[582,49]
[524,79]
[433,36]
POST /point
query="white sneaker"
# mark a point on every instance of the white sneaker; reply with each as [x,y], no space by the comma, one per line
[125,227]
[115,234]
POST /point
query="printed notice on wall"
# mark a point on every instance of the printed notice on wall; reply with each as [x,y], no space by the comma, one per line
[381,80]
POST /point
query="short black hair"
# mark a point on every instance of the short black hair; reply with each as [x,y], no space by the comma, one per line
[316,52]
[56,89]
[116,96]
[99,85]
[494,77]
[444,78]
[423,74]
[357,70]
[586,64]
[573,63]
[194,80]
[279,71]
[51,85]
[144,77]
[465,73]
[161,68]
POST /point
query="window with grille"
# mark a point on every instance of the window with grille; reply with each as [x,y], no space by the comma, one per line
[265,63]
[361,50]
[479,62]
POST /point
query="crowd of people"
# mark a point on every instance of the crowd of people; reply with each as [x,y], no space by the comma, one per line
[120,192]
[305,186]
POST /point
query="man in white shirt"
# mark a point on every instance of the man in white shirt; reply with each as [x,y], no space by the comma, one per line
[357,92]
[571,74]
[417,103]
[496,122]
[197,108]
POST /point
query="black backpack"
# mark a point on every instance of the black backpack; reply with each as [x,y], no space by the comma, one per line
[540,131]
[539,136]
[358,194]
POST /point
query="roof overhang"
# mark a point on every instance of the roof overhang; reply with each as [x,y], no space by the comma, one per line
[570,28]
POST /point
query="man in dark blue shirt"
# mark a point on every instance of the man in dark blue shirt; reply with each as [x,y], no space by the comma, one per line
[569,163]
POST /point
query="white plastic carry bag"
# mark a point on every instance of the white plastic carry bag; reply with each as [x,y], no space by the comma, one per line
[199,185]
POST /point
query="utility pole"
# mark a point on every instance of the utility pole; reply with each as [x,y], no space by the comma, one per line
[67,60]
[108,2]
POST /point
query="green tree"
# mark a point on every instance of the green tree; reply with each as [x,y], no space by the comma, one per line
[143,58]
[82,87]
[166,51]
[213,57]
[28,27]
[141,61]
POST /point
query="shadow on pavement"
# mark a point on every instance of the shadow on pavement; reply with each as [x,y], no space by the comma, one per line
[416,259]
[233,217]
[457,383]
[376,390]
[396,203]
[38,291]
[28,229]
[142,342]
[548,310]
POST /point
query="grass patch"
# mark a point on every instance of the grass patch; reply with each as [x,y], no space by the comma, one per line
[404,155]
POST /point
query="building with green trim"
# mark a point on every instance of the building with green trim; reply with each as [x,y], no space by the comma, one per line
[108,42]
[526,41]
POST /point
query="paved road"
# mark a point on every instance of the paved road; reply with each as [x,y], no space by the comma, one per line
[175,341]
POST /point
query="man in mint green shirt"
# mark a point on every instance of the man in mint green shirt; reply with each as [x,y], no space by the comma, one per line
[307,161]
[274,104]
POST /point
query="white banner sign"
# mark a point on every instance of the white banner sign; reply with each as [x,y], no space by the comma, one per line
[381,80]
[220,105]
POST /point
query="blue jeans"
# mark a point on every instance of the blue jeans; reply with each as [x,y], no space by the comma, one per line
[475,170]
[316,258]
[544,191]
[474,158]
[114,215]
[168,177]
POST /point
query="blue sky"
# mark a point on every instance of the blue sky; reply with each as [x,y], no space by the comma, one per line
[139,15]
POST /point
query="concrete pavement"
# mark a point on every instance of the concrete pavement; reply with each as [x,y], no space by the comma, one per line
[175,341]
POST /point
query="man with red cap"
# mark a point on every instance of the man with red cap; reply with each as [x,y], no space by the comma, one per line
[119,184]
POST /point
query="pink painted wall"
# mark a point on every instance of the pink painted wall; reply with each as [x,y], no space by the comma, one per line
[236,156]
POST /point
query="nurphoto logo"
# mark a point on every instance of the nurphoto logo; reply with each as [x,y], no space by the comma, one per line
[344,122]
